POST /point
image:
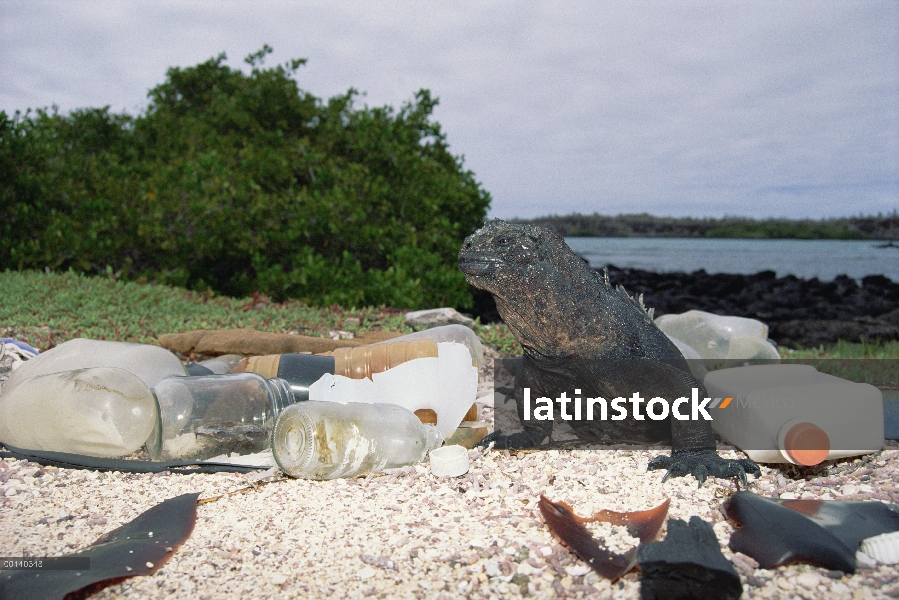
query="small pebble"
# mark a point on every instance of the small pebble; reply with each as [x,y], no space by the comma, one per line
[808,580]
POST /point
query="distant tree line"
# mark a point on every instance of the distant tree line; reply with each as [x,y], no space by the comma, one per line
[880,227]
[240,182]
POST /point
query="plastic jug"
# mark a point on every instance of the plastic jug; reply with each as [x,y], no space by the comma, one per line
[206,416]
[328,440]
[446,385]
[150,363]
[718,337]
[98,412]
[795,414]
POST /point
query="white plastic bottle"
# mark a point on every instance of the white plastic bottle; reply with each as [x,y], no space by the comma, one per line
[150,363]
[795,414]
[102,411]
[445,385]
[720,337]
[329,440]
[447,333]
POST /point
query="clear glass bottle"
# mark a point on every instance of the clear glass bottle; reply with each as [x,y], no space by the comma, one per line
[329,440]
[206,416]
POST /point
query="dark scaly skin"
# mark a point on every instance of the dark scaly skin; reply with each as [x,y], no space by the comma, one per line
[562,312]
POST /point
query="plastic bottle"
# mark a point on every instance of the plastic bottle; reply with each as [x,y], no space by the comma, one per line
[447,333]
[98,412]
[720,337]
[328,440]
[302,370]
[795,414]
[206,416]
[150,363]
[445,385]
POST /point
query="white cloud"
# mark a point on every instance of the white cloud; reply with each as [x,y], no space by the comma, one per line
[670,108]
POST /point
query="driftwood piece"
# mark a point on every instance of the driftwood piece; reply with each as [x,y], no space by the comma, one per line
[251,342]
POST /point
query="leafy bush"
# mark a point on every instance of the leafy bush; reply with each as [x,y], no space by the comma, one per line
[238,182]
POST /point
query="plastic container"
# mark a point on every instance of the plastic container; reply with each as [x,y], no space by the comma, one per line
[447,333]
[206,416]
[446,385]
[302,370]
[150,363]
[719,337]
[795,414]
[329,440]
[98,412]
[449,461]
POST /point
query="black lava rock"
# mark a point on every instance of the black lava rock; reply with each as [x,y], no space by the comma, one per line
[687,564]
[799,312]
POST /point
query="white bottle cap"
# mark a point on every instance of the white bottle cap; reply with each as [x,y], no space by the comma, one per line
[803,443]
[449,461]
[883,548]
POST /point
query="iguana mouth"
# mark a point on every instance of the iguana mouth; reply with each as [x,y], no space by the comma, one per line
[477,264]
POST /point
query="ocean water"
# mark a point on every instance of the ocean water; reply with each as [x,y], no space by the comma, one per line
[824,259]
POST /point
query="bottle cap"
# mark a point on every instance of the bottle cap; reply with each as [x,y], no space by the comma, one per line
[449,461]
[806,444]
[883,548]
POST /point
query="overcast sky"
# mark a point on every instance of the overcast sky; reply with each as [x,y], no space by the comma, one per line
[671,108]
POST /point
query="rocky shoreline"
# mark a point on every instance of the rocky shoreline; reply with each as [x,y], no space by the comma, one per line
[799,312]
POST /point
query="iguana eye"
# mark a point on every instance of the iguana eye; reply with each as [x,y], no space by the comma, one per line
[503,241]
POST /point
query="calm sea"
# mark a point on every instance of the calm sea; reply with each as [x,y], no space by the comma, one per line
[824,259]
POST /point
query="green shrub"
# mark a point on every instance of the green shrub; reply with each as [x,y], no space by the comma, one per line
[238,182]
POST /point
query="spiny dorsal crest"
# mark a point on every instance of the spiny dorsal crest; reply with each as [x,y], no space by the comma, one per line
[638,300]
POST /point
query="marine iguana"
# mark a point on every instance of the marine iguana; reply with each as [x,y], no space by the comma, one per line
[577,330]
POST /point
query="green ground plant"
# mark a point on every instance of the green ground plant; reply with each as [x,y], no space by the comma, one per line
[45,309]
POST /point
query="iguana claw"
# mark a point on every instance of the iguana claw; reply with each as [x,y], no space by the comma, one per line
[703,463]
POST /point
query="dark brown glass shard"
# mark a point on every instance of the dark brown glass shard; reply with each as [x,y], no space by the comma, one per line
[139,547]
[569,527]
[688,564]
[824,533]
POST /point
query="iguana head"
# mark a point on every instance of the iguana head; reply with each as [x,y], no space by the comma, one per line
[500,257]
[538,283]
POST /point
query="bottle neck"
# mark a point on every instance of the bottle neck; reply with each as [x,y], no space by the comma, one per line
[279,394]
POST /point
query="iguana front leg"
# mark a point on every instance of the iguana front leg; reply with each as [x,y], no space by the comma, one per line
[693,453]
